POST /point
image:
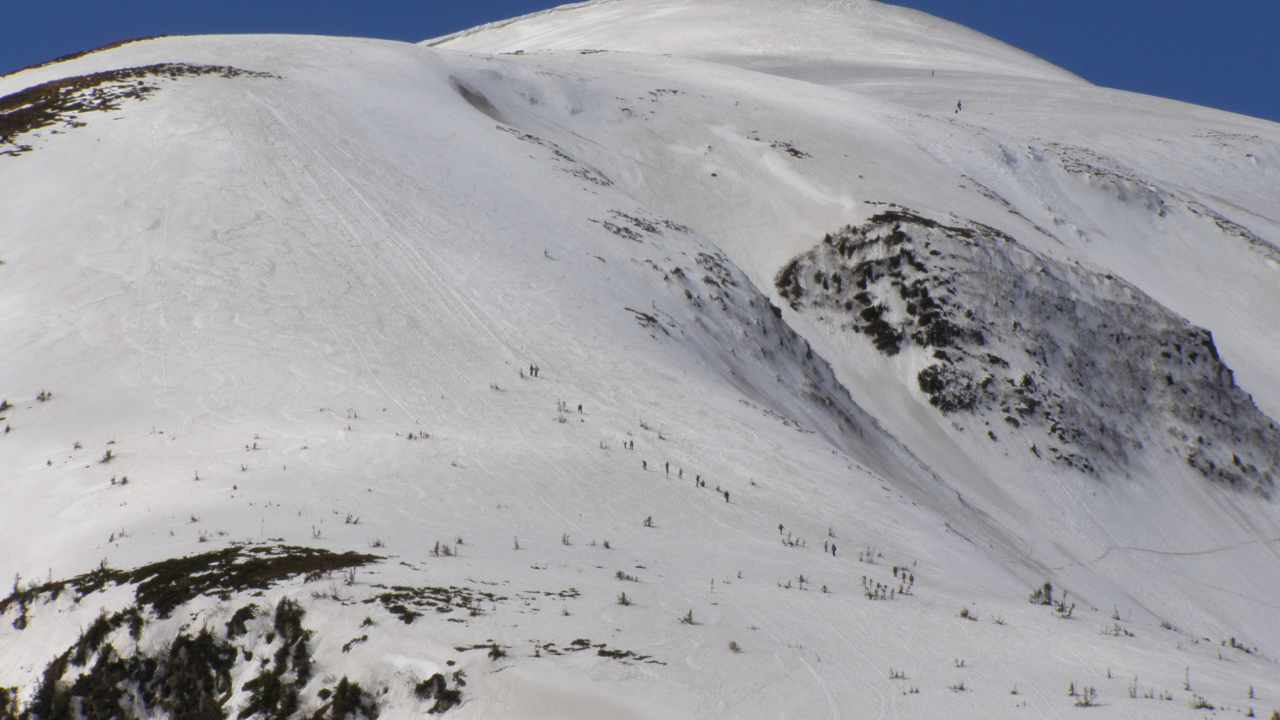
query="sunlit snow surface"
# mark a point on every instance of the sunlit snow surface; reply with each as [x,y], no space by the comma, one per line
[299,304]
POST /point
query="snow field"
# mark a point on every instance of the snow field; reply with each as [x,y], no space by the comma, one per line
[321,294]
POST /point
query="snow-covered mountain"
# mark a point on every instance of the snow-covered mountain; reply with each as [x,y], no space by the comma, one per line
[635,359]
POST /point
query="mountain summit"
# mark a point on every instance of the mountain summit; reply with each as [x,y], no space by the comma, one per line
[768,35]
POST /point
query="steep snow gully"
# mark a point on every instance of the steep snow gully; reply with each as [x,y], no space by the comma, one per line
[635,359]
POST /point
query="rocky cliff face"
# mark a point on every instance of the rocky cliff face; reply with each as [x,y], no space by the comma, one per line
[1081,367]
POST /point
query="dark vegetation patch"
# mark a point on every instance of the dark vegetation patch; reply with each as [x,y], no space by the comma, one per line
[1235,229]
[63,102]
[164,585]
[782,145]
[625,233]
[930,322]
[1129,185]
[1085,360]
[623,228]
[602,650]
[637,222]
[717,270]
[579,171]
[105,674]
[496,651]
[196,675]
[188,680]
[646,320]
[236,626]
[949,390]
[526,137]
[993,196]
[437,688]
[589,175]
[275,692]
[410,603]
[8,703]
[789,149]
[346,700]
[570,593]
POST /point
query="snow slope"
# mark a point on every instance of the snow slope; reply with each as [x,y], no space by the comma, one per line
[852,37]
[768,166]
[294,289]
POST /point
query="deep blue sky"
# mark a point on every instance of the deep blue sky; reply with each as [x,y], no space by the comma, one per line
[1219,53]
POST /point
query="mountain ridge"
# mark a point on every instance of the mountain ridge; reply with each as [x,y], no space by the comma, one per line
[705,35]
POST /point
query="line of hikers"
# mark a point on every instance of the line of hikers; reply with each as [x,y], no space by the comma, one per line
[666,467]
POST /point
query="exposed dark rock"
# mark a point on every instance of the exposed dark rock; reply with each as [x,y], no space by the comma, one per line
[1048,348]
[436,688]
[164,585]
[64,102]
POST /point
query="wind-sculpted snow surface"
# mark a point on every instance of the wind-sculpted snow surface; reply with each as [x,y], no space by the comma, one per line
[1082,367]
